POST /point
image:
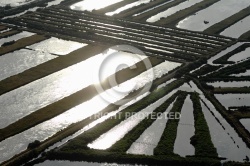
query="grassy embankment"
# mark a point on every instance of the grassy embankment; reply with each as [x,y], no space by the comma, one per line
[202,139]
[166,143]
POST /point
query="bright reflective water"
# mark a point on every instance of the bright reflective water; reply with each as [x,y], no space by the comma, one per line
[237,29]
[247,73]
[240,56]
[230,84]
[19,142]
[212,14]
[14,2]
[16,37]
[131,5]
[245,123]
[21,60]
[35,95]
[56,46]
[226,141]
[229,100]
[172,10]
[224,52]
[93,4]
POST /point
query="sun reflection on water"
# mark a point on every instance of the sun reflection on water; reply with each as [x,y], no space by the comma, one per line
[93,4]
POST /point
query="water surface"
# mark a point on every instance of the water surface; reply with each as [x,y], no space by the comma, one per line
[21,60]
[128,6]
[90,5]
[56,46]
[213,14]
[237,29]
[185,130]
[16,37]
[150,138]
[173,10]
[231,100]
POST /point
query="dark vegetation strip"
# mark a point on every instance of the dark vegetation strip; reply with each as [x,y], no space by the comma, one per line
[227,90]
[245,36]
[178,16]
[102,38]
[127,36]
[82,140]
[71,101]
[49,67]
[226,79]
[124,144]
[9,33]
[146,15]
[221,26]
[142,25]
[202,142]
[159,35]
[21,43]
[234,69]
[121,29]
[166,143]
[205,70]
[224,59]
[240,112]
[105,32]
[2,27]
[239,128]
[123,158]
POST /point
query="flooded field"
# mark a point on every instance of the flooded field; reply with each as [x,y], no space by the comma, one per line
[172,10]
[14,3]
[149,139]
[230,84]
[21,60]
[233,99]
[92,5]
[56,46]
[212,15]
[16,37]
[137,3]
[185,130]
[174,53]
[237,29]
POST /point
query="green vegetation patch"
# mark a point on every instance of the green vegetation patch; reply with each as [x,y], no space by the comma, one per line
[166,143]
[202,139]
